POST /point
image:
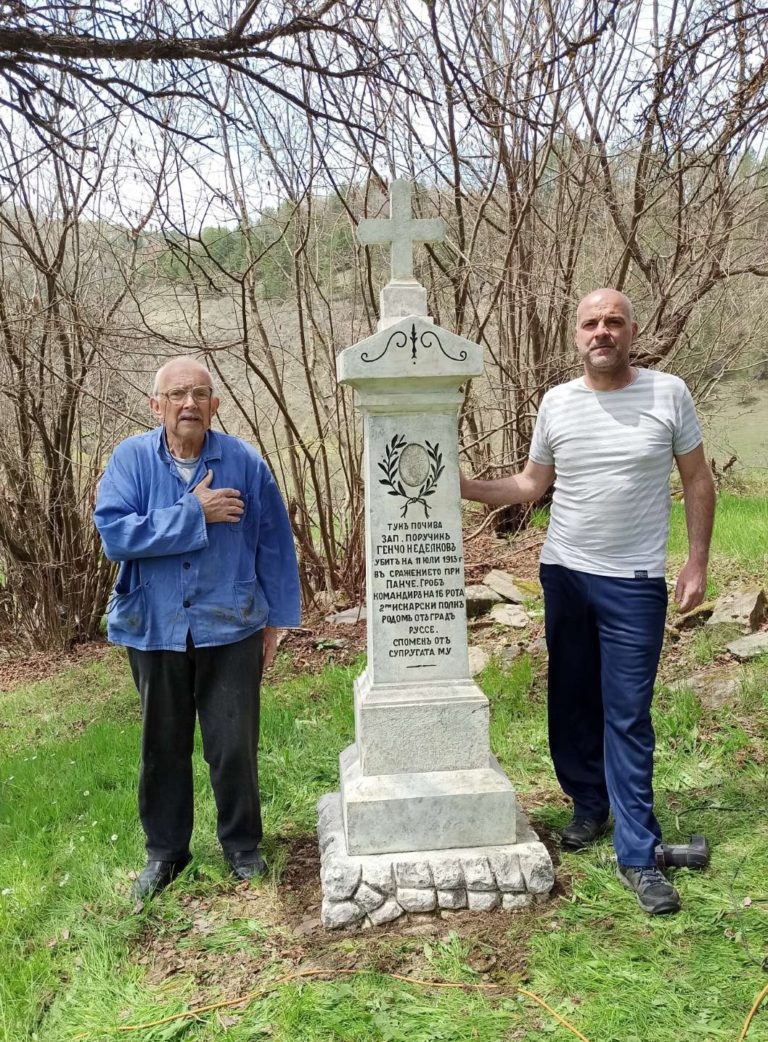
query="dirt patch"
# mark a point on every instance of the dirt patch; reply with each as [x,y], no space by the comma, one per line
[224,942]
[519,556]
[28,669]
[319,644]
[299,885]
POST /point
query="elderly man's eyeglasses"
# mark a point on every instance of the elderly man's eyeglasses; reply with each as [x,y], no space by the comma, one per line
[177,395]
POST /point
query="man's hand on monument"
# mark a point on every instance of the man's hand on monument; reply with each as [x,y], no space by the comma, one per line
[269,646]
[219,504]
[691,586]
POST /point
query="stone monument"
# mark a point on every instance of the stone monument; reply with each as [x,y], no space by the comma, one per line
[426,818]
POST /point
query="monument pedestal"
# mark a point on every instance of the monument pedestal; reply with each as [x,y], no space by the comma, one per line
[432,810]
[426,817]
[439,726]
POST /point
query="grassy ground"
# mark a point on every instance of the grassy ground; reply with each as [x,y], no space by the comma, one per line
[739,541]
[77,960]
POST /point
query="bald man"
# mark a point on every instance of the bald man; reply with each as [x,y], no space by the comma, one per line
[207,578]
[608,441]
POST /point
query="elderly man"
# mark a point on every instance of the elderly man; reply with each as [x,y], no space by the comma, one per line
[207,577]
[607,440]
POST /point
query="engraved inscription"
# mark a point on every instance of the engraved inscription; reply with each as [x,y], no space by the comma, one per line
[418,589]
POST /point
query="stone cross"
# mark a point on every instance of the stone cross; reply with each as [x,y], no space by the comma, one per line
[401,230]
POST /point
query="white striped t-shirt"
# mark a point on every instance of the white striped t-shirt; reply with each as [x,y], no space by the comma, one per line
[613,452]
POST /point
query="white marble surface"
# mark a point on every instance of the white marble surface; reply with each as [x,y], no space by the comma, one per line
[434,810]
[441,726]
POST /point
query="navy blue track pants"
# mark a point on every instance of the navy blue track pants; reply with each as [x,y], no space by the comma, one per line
[604,638]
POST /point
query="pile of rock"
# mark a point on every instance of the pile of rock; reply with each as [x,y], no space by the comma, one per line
[381,887]
[742,611]
[736,619]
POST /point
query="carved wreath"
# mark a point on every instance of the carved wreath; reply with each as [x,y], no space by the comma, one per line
[390,465]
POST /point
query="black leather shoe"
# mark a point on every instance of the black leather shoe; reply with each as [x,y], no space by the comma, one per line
[156,875]
[580,832]
[655,894]
[247,864]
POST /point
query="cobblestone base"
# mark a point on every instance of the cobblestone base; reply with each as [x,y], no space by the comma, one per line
[382,887]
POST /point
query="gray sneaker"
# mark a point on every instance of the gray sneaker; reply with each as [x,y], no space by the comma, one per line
[655,894]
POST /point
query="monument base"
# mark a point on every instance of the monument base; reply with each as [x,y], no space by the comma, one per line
[429,810]
[378,888]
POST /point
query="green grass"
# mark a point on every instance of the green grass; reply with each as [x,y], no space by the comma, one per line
[76,957]
[739,539]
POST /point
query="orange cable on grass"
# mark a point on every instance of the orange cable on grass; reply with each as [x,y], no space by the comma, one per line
[750,1015]
[196,1011]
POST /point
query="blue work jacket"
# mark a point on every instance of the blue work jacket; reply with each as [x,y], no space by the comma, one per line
[220,582]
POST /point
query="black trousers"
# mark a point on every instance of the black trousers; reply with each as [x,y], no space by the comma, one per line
[221,686]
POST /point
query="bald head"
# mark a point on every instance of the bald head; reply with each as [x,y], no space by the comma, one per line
[607,296]
[179,371]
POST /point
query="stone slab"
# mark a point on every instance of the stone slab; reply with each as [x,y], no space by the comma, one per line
[400,300]
[407,352]
[507,871]
[339,878]
[335,914]
[349,617]
[749,647]
[412,900]
[414,874]
[482,878]
[478,659]
[431,810]
[385,913]
[417,631]
[452,899]
[447,873]
[513,902]
[480,599]
[369,898]
[714,687]
[391,721]
[510,615]
[503,584]
[746,608]
[478,874]
[483,900]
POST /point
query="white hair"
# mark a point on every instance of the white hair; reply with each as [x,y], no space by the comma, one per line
[189,360]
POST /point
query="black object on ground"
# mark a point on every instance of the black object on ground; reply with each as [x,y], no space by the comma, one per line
[693,855]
